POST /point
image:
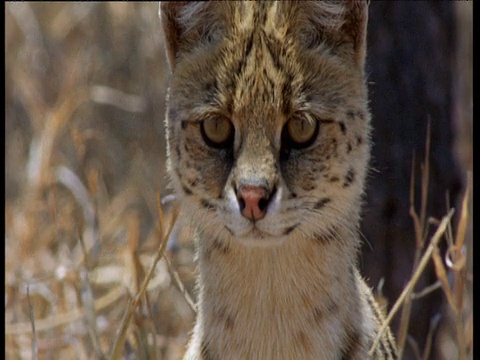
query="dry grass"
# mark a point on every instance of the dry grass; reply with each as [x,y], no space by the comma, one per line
[455,260]
[85,90]
[85,159]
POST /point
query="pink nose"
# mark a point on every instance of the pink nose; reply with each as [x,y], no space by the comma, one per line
[253,201]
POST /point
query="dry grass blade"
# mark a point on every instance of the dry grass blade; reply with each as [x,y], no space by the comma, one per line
[180,285]
[90,314]
[63,319]
[106,95]
[429,289]
[460,273]
[421,228]
[413,214]
[90,240]
[459,261]
[32,320]
[433,326]
[425,180]
[443,278]
[120,338]
[416,276]
[418,227]
[42,147]
[463,223]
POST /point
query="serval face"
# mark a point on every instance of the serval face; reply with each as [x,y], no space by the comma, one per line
[268,125]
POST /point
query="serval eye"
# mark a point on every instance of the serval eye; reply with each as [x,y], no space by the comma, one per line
[217,132]
[300,133]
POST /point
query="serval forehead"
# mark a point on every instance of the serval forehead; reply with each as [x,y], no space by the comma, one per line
[264,50]
[276,16]
[258,66]
[262,60]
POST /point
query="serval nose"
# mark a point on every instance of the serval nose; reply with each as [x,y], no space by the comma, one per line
[253,198]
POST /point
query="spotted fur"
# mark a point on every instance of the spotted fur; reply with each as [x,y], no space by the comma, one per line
[285,286]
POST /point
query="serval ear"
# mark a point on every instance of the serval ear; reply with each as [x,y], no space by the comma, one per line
[339,25]
[169,12]
[187,25]
[355,28]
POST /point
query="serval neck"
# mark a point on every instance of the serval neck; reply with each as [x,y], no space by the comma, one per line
[276,300]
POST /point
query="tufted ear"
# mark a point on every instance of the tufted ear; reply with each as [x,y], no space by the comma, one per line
[341,25]
[169,14]
[187,24]
[355,28]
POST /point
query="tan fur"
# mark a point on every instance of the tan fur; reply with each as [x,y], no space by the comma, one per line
[285,286]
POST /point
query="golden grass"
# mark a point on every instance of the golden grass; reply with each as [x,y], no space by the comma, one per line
[84,160]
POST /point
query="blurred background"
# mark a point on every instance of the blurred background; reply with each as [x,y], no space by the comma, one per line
[85,161]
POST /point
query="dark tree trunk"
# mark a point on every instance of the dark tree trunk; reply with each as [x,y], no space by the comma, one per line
[410,67]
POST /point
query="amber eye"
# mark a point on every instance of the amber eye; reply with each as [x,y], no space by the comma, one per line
[217,132]
[300,133]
